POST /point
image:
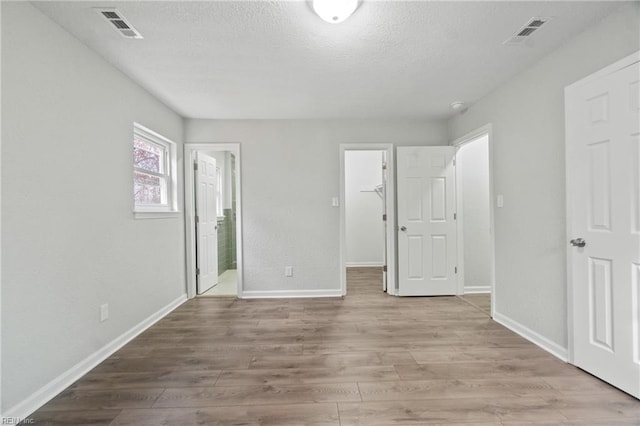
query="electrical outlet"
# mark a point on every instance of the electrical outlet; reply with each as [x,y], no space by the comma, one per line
[104,312]
[288,271]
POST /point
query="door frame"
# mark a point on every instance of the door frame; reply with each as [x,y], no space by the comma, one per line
[618,65]
[392,287]
[190,150]
[467,138]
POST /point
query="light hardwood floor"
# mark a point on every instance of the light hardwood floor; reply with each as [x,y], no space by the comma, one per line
[367,359]
[481,301]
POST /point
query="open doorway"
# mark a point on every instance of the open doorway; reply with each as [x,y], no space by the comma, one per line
[475,220]
[367,219]
[212,207]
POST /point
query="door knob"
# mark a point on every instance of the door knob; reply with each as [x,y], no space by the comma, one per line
[578,242]
[403,228]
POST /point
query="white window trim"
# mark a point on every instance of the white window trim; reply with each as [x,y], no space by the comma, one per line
[171,208]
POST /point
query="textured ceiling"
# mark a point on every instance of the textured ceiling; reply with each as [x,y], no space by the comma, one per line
[277,59]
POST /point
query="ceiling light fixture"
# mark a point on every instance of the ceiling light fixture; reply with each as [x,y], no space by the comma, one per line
[334,11]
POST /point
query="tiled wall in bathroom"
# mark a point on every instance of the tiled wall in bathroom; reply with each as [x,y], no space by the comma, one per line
[223,259]
[227,229]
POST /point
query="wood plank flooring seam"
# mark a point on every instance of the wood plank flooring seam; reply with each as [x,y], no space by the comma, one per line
[338,414]
[359,391]
[158,397]
[260,404]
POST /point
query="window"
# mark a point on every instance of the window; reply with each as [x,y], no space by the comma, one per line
[154,172]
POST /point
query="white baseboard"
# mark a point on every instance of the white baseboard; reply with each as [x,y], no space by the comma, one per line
[470,289]
[50,390]
[281,294]
[539,340]
[364,265]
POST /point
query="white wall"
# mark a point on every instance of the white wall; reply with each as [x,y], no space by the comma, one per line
[529,170]
[290,172]
[472,161]
[69,240]
[363,210]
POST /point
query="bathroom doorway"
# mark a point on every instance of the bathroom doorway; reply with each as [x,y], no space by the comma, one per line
[213,220]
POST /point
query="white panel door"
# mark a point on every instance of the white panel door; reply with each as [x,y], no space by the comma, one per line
[427,229]
[603,190]
[206,223]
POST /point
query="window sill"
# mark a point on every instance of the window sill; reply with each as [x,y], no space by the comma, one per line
[155,215]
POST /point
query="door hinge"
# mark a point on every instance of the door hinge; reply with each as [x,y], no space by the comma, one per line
[455,216]
[455,269]
[454,161]
[384,217]
[195,166]
[384,268]
[197,219]
[197,271]
[384,166]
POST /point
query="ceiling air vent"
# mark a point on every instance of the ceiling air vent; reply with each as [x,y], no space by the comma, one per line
[115,18]
[526,31]
[536,22]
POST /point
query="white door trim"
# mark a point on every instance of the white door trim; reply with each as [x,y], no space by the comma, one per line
[391,214]
[618,65]
[190,150]
[609,69]
[471,136]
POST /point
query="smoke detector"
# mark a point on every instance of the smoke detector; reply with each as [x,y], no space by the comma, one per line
[119,22]
[525,32]
[459,107]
